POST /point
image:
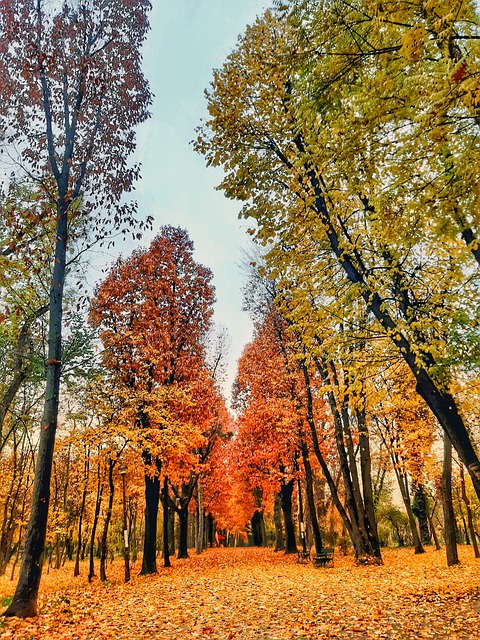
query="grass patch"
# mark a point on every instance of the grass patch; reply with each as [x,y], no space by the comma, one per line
[6,601]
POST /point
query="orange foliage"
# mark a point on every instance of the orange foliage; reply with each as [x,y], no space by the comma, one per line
[226,494]
[269,422]
[153,311]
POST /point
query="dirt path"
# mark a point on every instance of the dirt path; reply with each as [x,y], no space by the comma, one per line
[255,594]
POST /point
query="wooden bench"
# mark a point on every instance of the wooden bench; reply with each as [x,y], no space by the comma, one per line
[303,557]
[325,558]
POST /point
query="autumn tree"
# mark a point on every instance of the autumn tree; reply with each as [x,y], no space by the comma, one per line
[422,60]
[209,417]
[72,92]
[269,424]
[154,311]
[100,435]
[407,429]
[328,393]
[23,285]
[291,122]
[227,497]
[216,361]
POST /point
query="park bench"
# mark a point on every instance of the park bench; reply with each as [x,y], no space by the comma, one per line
[325,558]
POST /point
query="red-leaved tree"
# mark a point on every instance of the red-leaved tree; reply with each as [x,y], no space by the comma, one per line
[154,311]
[269,420]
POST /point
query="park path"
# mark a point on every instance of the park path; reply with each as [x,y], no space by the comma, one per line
[256,594]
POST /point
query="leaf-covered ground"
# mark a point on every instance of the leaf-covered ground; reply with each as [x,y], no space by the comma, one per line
[256,594]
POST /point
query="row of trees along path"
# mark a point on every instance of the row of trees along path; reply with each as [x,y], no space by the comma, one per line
[349,132]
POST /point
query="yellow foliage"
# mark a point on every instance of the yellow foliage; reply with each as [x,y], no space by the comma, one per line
[413,42]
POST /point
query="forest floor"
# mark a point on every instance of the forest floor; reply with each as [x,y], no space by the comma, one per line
[256,594]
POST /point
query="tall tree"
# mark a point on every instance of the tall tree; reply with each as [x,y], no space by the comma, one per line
[291,123]
[310,390]
[154,311]
[71,92]
[450,533]
[269,423]
[406,427]
[208,415]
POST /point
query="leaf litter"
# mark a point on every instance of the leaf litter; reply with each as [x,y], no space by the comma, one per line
[257,594]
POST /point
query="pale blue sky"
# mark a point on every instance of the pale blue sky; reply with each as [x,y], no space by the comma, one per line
[188,39]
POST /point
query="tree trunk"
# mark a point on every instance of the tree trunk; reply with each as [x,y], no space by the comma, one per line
[301,518]
[152,498]
[465,529]
[191,533]
[432,528]
[24,603]
[403,486]
[448,512]
[98,502]
[277,519]
[367,484]
[256,523]
[166,553]
[420,511]
[50,549]
[286,491]
[132,530]
[183,535]
[17,552]
[58,556]
[84,545]
[199,546]
[317,537]
[183,497]
[263,531]
[211,530]
[205,531]
[86,469]
[106,524]
[171,530]
[69,546]
[468,507]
